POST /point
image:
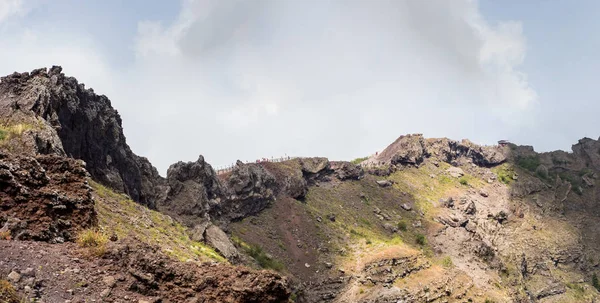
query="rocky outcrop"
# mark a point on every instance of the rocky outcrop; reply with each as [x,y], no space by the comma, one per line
[218,239]
[64,118]
[45,198]
[414,149]
[249,189]
[347,171]
[193,188]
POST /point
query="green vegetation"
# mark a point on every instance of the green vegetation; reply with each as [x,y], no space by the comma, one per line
[402,225]
[94,240]
[420,239]
[529,163]
[595,282]
[488,300]
[447,262]
[463,181]
[505,173]
[578,290]
[359,160]
[118,214]
[9,131]
[258,254]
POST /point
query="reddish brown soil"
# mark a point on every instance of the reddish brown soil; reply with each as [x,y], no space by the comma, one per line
[44,198]
[130,272]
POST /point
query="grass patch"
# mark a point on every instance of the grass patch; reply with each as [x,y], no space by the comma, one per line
[8,294]
[463,181]
[258,254]
[93,240]
[5,235]
[505,173]
[447,262]
[359,160]
[120,215]
[578,290]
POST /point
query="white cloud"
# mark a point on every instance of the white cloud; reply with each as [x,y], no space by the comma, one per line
[9,8]
[246,79]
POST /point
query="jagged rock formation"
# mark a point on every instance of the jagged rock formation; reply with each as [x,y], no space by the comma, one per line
[44,198]
[67,119]
[193,188]
[413,149]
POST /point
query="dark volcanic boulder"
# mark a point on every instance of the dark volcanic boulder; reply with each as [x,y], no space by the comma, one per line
[193,187]
[45,198]
[315,169]
[345,170]
[250,189]
[86,127]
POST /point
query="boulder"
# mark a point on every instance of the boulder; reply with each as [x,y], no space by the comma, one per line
[218,239]
[455,172]
[384,183]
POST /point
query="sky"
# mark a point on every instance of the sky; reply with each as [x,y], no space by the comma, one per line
[248,79]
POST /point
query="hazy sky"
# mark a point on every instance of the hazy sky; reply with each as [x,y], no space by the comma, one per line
[337,78]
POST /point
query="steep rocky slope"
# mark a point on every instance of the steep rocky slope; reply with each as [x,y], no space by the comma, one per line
[63,117]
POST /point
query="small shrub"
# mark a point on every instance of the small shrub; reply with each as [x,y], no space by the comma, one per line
[8,294]
[463,181]
[420,239]
[488,300]
[5,235]
[93,240]
[368,241]
[529,163]
[402,225]
[447,262]
[3,134]
[595,282]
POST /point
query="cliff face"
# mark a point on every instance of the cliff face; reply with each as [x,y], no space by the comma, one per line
[64,118]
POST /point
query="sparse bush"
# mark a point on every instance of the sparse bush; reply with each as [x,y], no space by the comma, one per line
[529,163]
[5,235]
[8,294]
[3,134]
[93,240]
[447,262]
[402,225]
[463,181]
[595,282]
[263,260]
[420,239]
[368,241]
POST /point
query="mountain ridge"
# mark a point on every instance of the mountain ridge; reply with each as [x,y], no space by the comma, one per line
[470,222]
